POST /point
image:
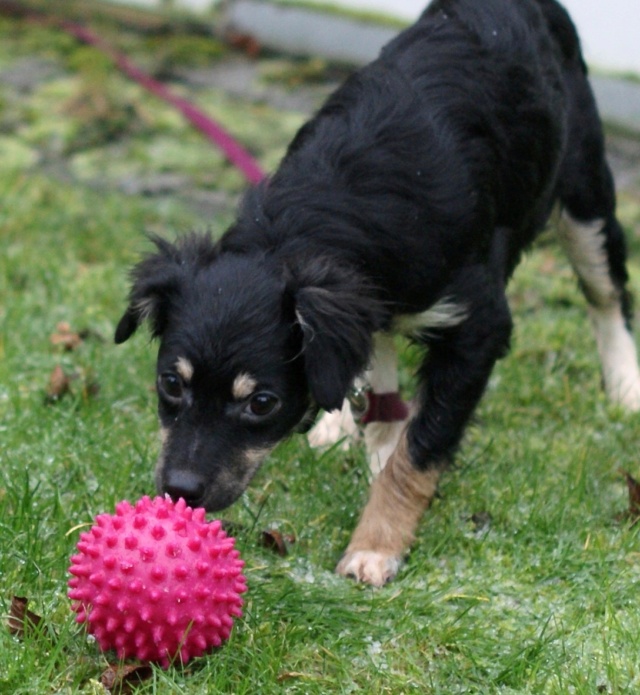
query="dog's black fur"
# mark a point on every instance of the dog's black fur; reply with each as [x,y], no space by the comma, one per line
[421,179]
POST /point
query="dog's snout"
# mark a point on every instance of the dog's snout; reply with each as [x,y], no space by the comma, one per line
[186,484]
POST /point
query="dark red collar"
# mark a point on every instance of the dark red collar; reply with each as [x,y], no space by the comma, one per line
[385,407]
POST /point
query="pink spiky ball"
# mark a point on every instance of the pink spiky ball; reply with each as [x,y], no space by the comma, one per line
[156,581]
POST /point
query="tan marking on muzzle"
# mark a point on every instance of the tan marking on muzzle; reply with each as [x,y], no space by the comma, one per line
[164,439]
[238,477]
[253,459]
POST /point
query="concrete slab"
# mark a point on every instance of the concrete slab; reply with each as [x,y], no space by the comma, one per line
[302,31]
[618,101]
[306,31]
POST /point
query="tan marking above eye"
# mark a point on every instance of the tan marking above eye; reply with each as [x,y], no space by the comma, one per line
[243,386]
[184,369]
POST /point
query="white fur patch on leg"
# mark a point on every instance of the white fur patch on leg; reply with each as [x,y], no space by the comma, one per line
[382,375]
[584,244]
[618,356]
[333,427]
[445,313]
[381,440]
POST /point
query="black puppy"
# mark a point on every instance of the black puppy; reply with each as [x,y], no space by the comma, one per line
[403,205]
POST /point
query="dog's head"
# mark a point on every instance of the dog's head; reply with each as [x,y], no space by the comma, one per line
[249,348]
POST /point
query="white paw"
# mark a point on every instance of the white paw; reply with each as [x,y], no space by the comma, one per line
[333,427]
[369,566]
[631,400]
[619,357]
[626,392]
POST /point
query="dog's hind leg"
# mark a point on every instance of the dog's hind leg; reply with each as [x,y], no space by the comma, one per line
[596,251]
[593,238]
[454,375]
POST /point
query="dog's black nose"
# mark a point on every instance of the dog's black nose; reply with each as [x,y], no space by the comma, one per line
[186,484]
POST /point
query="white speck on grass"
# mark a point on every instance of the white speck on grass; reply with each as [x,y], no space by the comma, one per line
[302,571]
[374,654]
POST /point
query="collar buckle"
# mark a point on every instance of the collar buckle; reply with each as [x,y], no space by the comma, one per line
[358,398]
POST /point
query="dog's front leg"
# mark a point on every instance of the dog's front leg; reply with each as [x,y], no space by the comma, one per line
[454,376]
[399,495]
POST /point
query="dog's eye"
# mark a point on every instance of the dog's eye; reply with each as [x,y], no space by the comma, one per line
[262,404]
[171,386]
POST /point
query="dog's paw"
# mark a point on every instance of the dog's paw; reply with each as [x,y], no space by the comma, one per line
[624,390]
[333,427]
[369,566]
[631,400]
[629,395]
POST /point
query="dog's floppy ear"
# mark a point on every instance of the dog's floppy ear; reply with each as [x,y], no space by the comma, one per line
[338,315]
[157,279]
[153,281]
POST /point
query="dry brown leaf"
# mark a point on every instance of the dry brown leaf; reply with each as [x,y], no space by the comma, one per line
[21,618]
[633,486]
[65,337]
[269,538]
[276,541]
[124,679]
[59,384]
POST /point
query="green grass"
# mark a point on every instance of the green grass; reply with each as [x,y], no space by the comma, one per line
[522,579]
